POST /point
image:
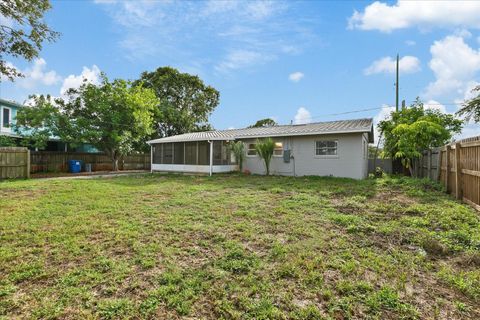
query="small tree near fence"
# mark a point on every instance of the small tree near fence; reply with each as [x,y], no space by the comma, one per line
[265,150]
[410,131]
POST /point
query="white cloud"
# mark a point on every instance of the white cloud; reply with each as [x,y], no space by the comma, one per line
[383,114]
[410,43]
[296,76]
[302,116]
[407,64]
[454,64]
[435,105]
[90,75]
[423,14]
[38,75]
[238,59]
[236,34]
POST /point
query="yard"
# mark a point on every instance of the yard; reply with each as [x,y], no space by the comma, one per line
[234,247]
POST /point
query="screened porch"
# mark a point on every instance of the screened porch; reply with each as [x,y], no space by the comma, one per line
[193,156]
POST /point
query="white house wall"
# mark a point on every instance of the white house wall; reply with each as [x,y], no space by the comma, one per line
[349,161]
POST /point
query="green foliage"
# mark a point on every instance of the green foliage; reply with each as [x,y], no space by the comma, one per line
[412,130]
[6,141]
[115,117]
[185,101]
[238,149]
[267,122]
[471,108]
[265,150]
[40,122]
[25,36]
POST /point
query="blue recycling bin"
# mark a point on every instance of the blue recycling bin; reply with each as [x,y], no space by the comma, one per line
[74,166]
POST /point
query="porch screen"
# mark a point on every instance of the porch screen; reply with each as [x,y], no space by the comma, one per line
[203,153]
[167,155]
[178,151]
[157,153]
[190,152]
[221,153]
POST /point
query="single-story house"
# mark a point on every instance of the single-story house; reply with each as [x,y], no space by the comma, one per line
[334,148]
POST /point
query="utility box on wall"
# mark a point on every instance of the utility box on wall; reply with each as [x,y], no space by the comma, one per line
[286,156]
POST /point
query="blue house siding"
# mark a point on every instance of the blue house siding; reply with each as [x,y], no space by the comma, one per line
[13,108]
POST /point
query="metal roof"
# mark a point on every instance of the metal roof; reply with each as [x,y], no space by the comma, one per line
[317,128]
[11,103]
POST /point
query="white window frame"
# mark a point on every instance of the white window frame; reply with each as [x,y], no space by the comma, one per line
[248,149]
[9,128]
[325,156]
[278,155]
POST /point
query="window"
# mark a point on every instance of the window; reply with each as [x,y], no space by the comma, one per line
[278,151]
[251,151]
[6,117]
[325,148]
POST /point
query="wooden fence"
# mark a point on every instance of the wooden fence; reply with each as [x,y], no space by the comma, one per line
[52,161]
[429,164]
[459,172]
[14,163]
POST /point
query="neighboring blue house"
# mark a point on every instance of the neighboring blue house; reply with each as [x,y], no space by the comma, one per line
[8,114]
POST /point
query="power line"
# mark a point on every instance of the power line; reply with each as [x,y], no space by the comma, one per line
[349,112]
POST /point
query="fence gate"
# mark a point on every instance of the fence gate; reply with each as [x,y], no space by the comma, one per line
[14,163]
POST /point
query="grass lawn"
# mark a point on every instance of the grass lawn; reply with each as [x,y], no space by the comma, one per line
[235,247]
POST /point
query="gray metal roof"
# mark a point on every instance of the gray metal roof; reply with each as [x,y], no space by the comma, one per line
[317,128]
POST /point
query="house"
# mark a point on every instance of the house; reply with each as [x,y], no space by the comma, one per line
[8,114]
[334,148]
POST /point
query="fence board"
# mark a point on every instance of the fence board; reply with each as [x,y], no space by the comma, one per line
[53,161]
[14,163]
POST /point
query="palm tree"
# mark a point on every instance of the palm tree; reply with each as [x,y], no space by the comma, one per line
[265,149]
[238,149]
[471,108]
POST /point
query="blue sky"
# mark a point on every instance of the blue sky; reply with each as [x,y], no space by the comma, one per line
[292,61]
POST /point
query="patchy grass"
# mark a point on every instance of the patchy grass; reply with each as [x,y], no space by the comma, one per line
[235,247]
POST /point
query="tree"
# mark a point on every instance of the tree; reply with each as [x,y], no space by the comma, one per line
[40,122]
[22,32]
[114,117]
[6,141]
[412,130]
[267,122]
[471,108]
[185,101]
[265,150]
[238,149]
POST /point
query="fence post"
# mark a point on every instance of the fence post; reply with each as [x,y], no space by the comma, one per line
[429,164]
[439,164]
[28,164]
[447,167]
[458,172]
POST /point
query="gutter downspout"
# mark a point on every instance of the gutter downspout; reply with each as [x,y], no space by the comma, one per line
[211,157]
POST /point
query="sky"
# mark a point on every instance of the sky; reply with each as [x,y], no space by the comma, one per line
[295,62]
